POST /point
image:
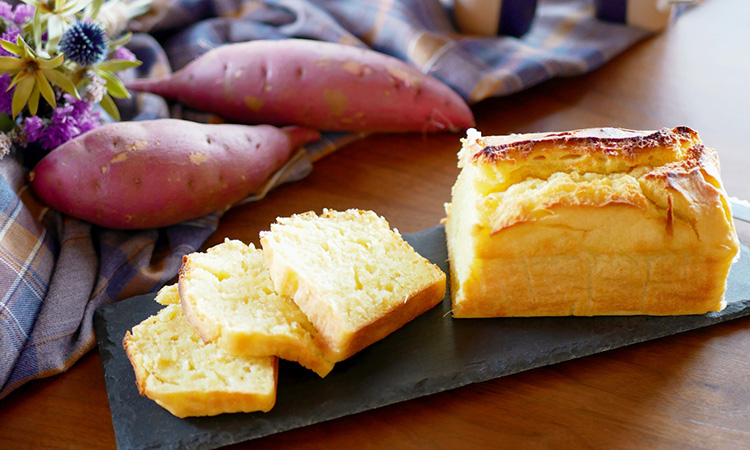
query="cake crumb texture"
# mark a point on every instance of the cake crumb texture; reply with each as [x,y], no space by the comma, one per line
[178,371]
[228,296]
[354,277]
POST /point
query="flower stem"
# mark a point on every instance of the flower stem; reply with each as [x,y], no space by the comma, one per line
[6,122]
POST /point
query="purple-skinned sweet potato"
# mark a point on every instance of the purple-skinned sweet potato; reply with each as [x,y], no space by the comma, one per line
[132,175]
[320,85]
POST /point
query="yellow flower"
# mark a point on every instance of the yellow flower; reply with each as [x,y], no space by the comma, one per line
[33,75]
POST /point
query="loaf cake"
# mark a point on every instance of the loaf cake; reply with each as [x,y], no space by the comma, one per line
[355,278]
[178,371]
[227,295]
[588,222]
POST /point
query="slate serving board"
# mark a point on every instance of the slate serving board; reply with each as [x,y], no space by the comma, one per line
[431,354]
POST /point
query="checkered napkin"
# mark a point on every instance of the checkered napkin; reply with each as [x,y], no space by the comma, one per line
[55,270]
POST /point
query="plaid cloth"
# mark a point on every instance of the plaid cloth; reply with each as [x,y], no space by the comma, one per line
[55,270]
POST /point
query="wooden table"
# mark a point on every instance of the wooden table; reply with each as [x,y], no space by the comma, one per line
[688,390]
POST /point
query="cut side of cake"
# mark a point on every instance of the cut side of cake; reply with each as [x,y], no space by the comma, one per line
[168,295]
[228,296]
[590,222]
[353,276]
[188,378]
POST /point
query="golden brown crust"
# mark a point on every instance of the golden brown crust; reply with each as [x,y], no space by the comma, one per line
[132,352]
[627,146]
[341,343]
[201,403]
[378,329]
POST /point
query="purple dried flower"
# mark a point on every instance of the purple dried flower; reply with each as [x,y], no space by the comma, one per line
[11,33]
[63,114]
[33,127]
[6,96]
[6,10]
[85,43]
[22,13]
[86,116]
[63,127]
[89,121]
[57,134]
[69,120]
[125,54]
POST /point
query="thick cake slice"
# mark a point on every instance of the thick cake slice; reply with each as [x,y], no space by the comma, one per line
[588,222]
[227,295]
[355,278]
[178,371]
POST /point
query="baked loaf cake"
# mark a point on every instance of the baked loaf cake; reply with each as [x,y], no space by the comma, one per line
[178,371]
[588,222]
[227,295]
[355,278]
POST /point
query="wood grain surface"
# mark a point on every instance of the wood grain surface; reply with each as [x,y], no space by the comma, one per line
[686,391]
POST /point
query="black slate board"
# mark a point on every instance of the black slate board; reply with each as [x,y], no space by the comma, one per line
[433,353]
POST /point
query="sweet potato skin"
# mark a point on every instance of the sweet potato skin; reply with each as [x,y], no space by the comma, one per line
[134,175]
[321,85]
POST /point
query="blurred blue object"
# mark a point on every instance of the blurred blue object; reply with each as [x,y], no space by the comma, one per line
[650,15]
[494,17]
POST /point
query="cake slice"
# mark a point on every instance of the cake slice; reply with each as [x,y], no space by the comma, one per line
[355,278]
[227,295]
[168,295]
[588,222]
[178,371]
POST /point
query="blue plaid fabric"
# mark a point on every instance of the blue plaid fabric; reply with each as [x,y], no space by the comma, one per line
[55,270]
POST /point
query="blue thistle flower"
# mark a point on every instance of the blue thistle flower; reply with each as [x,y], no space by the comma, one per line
[85,43]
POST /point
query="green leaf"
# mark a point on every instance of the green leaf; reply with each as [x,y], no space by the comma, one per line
[34,100]
[11,65]
[58,78]
[28,52]
[116,65]
[11,47]
[122,40]
[51,63]
[22,94]
[45,88]
[109,105]
[36,28]
[114,86]
[96,5]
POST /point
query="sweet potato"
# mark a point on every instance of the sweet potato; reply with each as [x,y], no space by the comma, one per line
[148,174]
[321,85]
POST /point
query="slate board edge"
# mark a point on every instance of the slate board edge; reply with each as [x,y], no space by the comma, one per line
[434,385]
